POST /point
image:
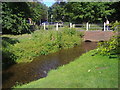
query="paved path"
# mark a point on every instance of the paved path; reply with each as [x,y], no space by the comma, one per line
[98,35]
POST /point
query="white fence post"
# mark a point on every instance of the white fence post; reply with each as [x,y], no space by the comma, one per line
[57,26]
[73,26]
[70,25]
[104,25]
[87,25]
[44,26]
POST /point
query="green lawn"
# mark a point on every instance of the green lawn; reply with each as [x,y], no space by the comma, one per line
[87,71]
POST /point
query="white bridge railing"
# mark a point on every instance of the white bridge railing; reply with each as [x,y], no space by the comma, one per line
[86,26]
[55,26]
[91,26]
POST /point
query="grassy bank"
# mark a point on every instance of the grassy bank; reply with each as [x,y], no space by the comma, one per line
[23,48]
[87,71]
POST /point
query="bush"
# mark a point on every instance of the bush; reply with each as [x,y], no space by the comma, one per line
[110,47]
[116,26]
[44,42]
[8,57]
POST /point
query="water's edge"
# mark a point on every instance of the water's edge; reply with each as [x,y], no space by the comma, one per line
[39,67]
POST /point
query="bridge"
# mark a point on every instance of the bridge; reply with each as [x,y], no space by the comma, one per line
[97,36]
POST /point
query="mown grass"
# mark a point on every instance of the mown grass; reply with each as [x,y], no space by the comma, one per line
[40,42]
[87,71]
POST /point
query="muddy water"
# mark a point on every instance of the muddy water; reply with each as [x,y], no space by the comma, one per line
[39,67]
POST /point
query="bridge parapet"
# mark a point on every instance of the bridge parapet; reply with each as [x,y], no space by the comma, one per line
[97,36]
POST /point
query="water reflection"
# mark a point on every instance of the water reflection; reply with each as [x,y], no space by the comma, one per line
[40,66]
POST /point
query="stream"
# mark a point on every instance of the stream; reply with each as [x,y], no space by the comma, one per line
[41,65]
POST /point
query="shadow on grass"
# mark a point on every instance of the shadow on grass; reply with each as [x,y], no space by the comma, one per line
[10,40]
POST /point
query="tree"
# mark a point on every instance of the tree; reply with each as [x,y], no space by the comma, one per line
[79,12]
[13,21]
[115,16]
[38,11]
[88,11]
[57,11]
[15,16]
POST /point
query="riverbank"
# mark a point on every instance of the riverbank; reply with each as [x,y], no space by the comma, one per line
[23,48]
[88,71]
[41,65]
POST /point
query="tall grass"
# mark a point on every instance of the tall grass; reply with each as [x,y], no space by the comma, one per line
[43,42]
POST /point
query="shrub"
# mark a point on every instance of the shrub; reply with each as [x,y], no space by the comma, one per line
[116,26]
[43,42]
[110,47]
[8,57]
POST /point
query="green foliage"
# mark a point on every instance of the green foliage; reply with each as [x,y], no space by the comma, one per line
[15,16]
[43,42]
[56,12]
[8,57]
[115,15]
[13,22]
[110,47]
[37,11]
[116,26]
[79,12]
